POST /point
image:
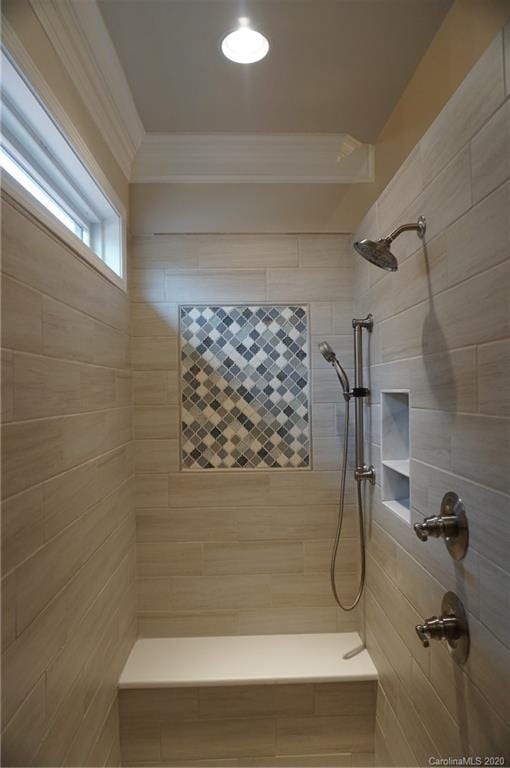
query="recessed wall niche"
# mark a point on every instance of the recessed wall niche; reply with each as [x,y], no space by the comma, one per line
[244,387]
[395,487]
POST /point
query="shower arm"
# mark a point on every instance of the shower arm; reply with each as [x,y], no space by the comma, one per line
[418,226]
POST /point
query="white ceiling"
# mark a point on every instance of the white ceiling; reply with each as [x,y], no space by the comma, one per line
[334,65]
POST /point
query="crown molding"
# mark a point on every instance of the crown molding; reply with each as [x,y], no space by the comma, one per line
[79,35]
[258,158]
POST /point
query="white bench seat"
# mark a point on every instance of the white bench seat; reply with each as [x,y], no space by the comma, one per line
[245,660]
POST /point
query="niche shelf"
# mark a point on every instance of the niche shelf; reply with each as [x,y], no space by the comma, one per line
[395,485]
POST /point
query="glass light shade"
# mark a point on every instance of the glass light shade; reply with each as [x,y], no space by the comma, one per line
[245,45]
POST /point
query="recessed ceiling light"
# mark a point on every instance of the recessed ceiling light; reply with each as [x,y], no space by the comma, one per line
[245,45]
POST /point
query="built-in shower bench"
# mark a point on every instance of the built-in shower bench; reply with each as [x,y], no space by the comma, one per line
[248,700]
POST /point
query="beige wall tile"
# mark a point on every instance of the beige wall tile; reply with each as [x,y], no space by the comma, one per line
[221,738]
[324,251]
[66,529]
[282,619]
[442,324]
[48,570]
[140,741]
[44,387]
[32,452]
[210,489]
[495,600]
[309,284]
[324,734]
[223,702]
[155,422]
[164,252]
[111,347]
[157,456]
[325,387]
[23,734]
[483,229]
[215,285]
[8,609]
[327,452]
[147,285]
[302,589]
[23,527]
[187,624]
[292,522]
[98,388]
[154,319]
[445,381]
[306,488]
[22,310]
[253,557]
[318,555]
[166,558]
[7,386]
[147,704]
[189,524]
[150,387]
[154,353]
[470,106]
[490,154]
[345,698]
[234,251]
[66,332]
[68,495]
[489,466]
[506,43]
[494,378]
[405,187]
[151,491]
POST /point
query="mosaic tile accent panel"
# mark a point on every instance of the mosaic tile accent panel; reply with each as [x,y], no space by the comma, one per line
[244,401]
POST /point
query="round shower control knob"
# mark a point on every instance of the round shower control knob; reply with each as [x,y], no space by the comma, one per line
[450,525]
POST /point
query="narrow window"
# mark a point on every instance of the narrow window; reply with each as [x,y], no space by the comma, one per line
[40,167]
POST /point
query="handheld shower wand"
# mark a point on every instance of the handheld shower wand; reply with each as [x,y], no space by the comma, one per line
[328,354]
[362,471]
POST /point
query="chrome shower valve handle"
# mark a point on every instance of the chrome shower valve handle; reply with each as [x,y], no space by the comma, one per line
[451,626]
[450,525]
[437,628]
[437,527]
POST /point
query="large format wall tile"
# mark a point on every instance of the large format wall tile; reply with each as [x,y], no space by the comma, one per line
[442,329]
[68,546]
[252,525]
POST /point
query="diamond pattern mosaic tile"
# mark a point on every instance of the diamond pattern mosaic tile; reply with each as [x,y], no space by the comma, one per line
[245,375]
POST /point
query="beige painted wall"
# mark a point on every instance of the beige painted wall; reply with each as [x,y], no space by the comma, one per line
[26,25]
[465,33]
[442,330]
[236,552]
[68,528]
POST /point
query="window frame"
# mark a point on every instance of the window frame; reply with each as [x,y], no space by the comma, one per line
[23,65]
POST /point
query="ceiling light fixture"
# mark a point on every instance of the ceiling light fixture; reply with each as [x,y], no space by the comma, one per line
[245,45]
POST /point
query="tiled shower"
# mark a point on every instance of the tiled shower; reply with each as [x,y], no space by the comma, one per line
[228,549]
[171,459]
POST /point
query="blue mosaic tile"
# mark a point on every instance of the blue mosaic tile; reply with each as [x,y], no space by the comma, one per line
[245,374]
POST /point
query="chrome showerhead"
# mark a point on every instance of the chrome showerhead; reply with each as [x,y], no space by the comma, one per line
[330,357]
[326,352]
[379,253]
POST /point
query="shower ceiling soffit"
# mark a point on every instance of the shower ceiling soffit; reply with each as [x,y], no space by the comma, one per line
[257,158]
[79,35]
